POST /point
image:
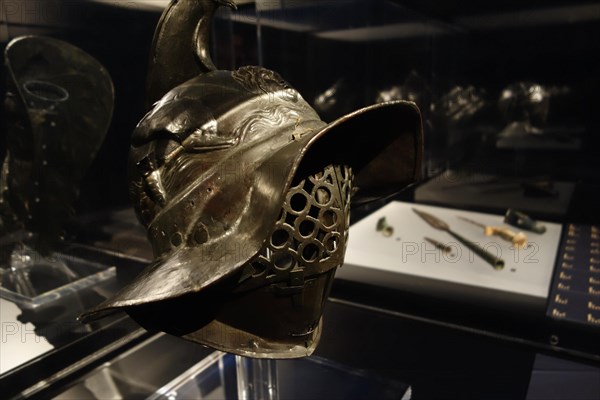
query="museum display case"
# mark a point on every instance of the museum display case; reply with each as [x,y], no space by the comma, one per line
[479,280]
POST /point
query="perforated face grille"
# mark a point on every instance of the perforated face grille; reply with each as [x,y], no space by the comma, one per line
[310,236]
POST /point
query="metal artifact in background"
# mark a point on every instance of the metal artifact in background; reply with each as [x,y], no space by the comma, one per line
[337,100]
[532,113]
[414,88]
[518,239]
[384,227]
[525,105]
[523,221]
[438,224]
[460,104]
[58,107]
[246,195]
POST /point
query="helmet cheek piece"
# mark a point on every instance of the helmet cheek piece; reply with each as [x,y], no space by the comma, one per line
[272,306]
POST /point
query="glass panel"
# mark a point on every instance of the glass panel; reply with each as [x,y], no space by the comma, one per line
[43,296]
[138,372]
[32,280]
[309,378]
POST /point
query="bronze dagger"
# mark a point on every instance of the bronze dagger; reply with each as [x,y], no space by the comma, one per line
[494,261]
[518,239]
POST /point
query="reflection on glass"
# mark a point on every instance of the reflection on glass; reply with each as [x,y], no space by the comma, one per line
[310,378]
[57,110]
[58,106]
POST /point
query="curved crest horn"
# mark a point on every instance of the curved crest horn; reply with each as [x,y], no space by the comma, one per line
[180,48]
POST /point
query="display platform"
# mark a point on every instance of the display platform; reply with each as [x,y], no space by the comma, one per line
[32,281]
[167,368]
[407,260]
[20,342]
[308,378]
[41,297]
[40,332]
[492,192]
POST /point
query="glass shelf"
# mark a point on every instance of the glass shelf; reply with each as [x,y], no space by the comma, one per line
[218,376]
[31,281]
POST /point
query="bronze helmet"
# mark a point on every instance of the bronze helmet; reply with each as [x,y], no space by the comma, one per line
[246,194]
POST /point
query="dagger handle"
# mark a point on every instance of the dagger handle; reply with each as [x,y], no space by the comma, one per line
[494,261]
[518,239]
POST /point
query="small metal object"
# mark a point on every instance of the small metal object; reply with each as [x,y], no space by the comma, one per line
[562,286]
[338,99]
[564,276]
[386,229]
[460,104]
[523,221]
[439,245]
[490,258]
[414,88]
[518,239]
[526,102]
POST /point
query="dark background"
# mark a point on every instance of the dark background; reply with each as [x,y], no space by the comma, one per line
[487,44]
[462,44]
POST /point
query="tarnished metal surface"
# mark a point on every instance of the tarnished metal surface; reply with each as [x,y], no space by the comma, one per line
[246,196]
[58,105]
[175,58]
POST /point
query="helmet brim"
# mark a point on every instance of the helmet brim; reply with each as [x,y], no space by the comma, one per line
[383,144]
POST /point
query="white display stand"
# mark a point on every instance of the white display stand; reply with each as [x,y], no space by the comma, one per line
[19,342]
[386,261]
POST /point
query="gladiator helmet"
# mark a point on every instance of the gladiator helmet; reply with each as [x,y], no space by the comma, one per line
[246,195]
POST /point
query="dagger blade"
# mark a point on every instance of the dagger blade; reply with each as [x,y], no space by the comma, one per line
[437,223]
[472,222]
